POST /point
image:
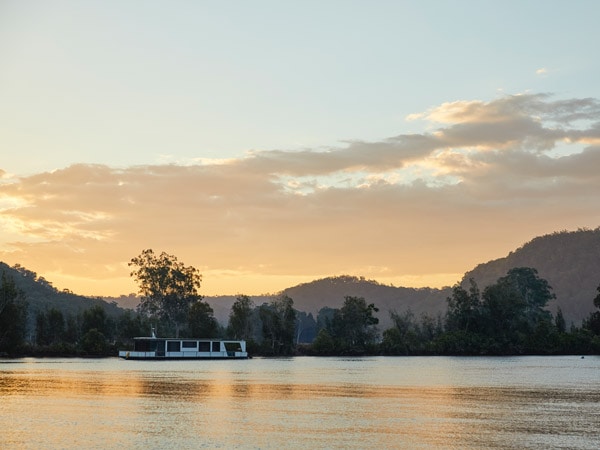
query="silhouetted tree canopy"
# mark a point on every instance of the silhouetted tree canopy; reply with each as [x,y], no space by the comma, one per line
[13,316]
[201,321]
[167,287]
[278,325]
[240,318]
[349,330]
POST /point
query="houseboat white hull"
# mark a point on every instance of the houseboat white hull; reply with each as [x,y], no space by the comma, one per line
[170,348]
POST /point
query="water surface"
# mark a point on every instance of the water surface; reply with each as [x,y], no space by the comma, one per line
[412,402]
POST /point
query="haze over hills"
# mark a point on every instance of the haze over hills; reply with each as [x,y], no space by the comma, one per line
[569,261]
[331,291]
[311,297]
[42,296]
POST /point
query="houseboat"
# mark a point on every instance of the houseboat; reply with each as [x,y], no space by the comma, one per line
[182,348]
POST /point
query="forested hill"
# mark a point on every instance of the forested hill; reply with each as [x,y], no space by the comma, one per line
[311,297]
[569,261]
[42,296]
[330,292]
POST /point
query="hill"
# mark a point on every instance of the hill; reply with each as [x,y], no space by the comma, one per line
[330,292]
[42,296]
[221,304]
[311,297]
[569,261]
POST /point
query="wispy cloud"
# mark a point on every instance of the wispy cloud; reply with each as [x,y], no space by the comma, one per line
[413,205]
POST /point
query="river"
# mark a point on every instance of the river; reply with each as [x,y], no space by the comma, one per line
[305,402]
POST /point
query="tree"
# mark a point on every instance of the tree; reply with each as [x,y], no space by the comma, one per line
[13,316]
[559,321]
[508,317]
[430,327]
[72,331]
[167,287]
[403,337]
[306,327]
[324,318]
[56,324]
[41,329]
[94,342]
[535,292]
[323,343]
[240,318]
[592,323]
[513,310]
[354,325]
[278,325]
[201,321]
[130,326]
[95,318]
[503,317]
[463,308]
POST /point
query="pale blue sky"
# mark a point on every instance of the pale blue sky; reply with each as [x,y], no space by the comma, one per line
[268,143]
[145,82]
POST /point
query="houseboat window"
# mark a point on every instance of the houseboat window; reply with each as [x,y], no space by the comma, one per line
[216,346]
[233,347]
[203,346]
[188,344]
[173,346]
[144,346]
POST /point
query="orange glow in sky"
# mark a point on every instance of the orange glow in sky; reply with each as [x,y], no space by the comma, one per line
[267,156]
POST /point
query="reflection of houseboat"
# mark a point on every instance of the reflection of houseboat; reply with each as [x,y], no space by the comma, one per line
[176,348]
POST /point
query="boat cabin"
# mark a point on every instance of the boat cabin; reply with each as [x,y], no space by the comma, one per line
[172,348]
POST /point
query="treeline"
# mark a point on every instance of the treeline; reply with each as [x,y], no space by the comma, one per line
[90,333]
[506,318]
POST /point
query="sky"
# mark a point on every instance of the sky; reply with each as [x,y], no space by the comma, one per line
[271,143]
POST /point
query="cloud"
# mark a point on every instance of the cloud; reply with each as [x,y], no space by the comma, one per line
[537,107]
[389,154]
[417,205]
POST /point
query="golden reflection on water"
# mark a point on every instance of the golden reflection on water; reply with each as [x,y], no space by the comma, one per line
[151,406]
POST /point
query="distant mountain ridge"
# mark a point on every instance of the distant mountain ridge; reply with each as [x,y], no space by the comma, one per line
[41,296]
[331,292]
[568,260]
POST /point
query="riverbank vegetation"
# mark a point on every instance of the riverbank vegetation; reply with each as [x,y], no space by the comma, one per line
[508,317]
